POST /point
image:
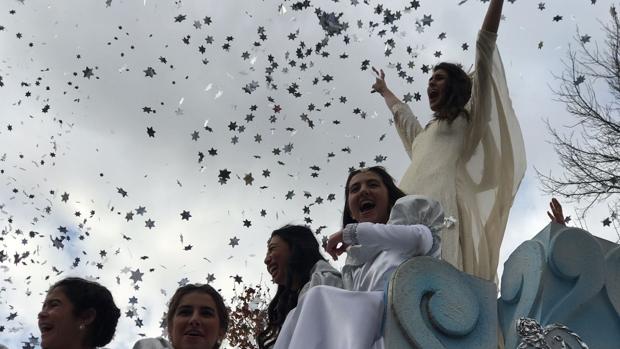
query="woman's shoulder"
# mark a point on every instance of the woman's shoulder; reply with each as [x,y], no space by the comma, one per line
[322,266]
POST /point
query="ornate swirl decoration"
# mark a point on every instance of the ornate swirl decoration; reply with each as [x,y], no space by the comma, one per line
[575,256]
[520,286]
[435,304]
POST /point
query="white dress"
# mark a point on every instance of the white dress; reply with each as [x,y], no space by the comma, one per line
[479,167]
[331,318]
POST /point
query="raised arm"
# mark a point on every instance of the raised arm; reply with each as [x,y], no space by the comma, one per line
[406,123]
[556,214]
[493,16]
[380,86]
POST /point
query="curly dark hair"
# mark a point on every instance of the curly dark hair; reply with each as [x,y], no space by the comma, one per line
[222,310]
[304,253]
[394,193]
[456,94]
[87,295]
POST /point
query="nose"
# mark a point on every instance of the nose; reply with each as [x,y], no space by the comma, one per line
[195,318]
[267,259]
[41,314]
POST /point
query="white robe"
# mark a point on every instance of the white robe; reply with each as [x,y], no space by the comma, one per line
[331,318]
[473,168]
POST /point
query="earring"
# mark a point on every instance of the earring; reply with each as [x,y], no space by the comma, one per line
[82,327]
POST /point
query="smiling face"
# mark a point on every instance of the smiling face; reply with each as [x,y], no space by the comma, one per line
[59,326]
[437,89]
[196,323]
[278,254]
[368,198]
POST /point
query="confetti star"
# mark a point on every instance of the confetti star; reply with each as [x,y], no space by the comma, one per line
[580,79]
[248,179]
[129,216]
[185,215]
[150,72]
[557,18]
[149,223]
[224,176]
[289,195]
[427,20]
[150,131]
[122,192]
[210,277]
[88,72]
[136,276]
[64,197]
[141,210]
[234,241]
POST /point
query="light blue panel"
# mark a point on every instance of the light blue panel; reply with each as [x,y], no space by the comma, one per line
[567,276]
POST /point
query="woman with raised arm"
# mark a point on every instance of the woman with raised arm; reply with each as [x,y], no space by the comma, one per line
[470,156]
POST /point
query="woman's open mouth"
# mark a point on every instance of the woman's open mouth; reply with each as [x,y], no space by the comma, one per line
[367,205]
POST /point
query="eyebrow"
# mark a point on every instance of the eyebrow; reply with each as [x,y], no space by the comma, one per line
[52,300]
[188,306]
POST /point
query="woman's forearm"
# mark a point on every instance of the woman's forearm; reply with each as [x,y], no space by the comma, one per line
[493,16]
[390,98]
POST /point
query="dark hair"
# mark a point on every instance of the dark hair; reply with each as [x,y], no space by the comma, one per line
[456,94]
[85,295]
[394,193]
[304,253]
[182,291]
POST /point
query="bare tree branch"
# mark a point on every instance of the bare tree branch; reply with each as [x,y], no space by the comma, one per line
[589,152]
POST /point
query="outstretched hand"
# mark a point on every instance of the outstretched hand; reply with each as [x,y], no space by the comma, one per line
[379,86]
[335,245]
[556,214]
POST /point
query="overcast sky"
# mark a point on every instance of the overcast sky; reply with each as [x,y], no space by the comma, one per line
[246,135]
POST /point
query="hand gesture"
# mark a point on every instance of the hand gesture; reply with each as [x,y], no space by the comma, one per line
[556,214]
[379,86]
[335,246]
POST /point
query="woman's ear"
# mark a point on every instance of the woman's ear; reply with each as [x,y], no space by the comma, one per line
[88,316]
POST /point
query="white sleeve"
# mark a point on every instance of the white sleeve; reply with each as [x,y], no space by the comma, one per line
[407,125]
[323,274]
[414,239]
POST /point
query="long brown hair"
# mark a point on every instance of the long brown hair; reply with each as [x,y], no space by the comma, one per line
[456,94]
[304,254]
